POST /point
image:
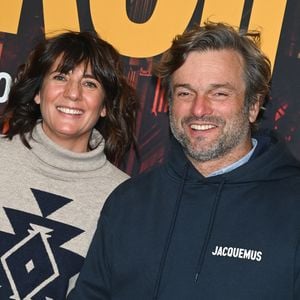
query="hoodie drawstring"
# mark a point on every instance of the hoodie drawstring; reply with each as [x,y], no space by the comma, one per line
[170,234]
[209,231]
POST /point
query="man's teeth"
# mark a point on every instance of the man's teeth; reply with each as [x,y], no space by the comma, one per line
[70,111]
[202,127]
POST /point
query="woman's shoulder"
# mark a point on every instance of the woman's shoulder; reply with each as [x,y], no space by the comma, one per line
[114,173]
[10,146]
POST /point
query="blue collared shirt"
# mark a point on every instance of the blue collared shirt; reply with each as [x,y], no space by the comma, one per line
[238,163]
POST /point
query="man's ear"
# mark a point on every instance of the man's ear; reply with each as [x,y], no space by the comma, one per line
[254,110]
[37,98]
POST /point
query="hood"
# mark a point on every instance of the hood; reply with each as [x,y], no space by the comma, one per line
[271,160]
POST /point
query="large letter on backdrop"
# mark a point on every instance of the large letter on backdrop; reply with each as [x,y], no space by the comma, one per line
[268,18]
[222,11]
[60,16]
[141,40]
[265,16]
[10,12]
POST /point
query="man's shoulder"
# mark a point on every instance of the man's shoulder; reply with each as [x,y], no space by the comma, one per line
[139,187]
[146,178]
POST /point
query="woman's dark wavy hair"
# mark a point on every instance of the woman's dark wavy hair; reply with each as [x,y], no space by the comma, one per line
[117,128]
[219,36]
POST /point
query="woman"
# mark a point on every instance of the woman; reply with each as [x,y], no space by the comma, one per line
[71,116]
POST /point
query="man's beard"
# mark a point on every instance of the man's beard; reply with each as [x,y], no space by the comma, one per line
[237,132]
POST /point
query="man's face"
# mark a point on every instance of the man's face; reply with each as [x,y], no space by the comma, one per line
[207,113]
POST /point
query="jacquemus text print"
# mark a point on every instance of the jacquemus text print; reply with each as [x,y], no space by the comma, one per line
[241,253]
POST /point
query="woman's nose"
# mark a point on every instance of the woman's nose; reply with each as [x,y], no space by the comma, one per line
[72,90]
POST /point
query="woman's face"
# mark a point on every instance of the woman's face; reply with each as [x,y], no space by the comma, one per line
[71,105]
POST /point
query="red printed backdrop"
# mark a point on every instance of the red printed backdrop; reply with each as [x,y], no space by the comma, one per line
[282,114]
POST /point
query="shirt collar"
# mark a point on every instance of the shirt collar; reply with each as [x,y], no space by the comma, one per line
[238,163]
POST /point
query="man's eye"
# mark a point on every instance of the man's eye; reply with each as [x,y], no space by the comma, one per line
[182,94]
[220,95]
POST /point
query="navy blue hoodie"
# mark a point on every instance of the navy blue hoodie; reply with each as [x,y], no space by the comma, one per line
[173,234]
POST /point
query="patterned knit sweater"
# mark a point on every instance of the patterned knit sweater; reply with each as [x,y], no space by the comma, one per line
[50,201]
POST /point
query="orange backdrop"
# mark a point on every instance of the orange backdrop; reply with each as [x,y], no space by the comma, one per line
[142,30]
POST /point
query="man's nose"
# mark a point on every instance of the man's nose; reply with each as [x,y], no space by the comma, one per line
[201,106]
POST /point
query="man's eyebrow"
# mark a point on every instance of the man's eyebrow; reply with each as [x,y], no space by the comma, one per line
[211,86]
[225,85]
[182,85]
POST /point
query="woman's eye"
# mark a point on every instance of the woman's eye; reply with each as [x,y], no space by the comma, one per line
[59,77]
[90,84]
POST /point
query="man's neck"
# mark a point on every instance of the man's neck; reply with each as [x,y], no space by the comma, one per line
[214,167]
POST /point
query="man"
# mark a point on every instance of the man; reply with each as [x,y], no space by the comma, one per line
[221,218]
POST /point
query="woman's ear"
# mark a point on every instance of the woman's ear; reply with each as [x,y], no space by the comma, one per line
[103,112]
[37,98]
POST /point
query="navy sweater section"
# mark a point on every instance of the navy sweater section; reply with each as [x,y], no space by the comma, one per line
[173,234]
